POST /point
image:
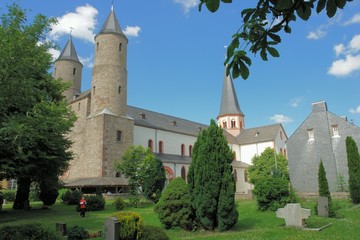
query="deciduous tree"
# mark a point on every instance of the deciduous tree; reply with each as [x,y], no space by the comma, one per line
[262,25]
[34,117]
[353,159]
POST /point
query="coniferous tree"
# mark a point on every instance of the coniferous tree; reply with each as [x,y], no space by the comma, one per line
[353,159]
[324,188]
[210,181]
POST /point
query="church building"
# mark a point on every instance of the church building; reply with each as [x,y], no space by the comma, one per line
[107,126]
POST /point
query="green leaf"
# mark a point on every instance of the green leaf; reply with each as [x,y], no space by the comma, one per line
[263,54]
[276,28]
[340,3]
[331,8]
[273,51]
[226,1]
[212,5]
[274,37]
[287,29]
[303,11]
[285,4]
[244,70]
[320,6]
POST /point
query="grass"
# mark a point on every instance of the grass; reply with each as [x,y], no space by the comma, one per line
[252,224]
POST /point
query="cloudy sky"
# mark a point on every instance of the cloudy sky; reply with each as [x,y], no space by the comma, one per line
[176,55]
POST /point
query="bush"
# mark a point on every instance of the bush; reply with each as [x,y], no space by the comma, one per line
[26,232]
[131,225]
[174,208]
[119,203]
[153,233]
[95,203]
[71,197]
[272,193]
[76,233]
[9,195]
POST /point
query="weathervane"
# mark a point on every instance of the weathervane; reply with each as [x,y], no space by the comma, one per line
[71,28]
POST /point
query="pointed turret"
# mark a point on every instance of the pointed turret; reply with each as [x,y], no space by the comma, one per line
[109,82]
[69,68]
[230,117]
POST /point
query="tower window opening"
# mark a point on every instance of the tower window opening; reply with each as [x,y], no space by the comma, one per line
[120,47]
[97,46]
[119,89]
[118,136]
[74,71]
[233,123]
[93,89]
[224,124]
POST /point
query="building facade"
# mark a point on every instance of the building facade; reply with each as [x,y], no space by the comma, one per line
[320,137]
[107,126]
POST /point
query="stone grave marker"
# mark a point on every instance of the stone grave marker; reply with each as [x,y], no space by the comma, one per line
[293,214]
[323,206]
[61,228]
[111,229]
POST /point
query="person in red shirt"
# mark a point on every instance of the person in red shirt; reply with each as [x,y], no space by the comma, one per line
[82,206]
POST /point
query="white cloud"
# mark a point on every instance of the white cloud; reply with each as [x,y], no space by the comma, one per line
[296,101]
[187,4]
[316,35]
[280,118]
[339,49]
[132,31]
[82,22]
[354,19]
[54,53]
[87,61]
[350,61]
[356,110]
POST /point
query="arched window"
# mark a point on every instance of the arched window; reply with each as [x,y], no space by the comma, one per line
[161,147]
[190,150]
[182,149]
[224,124]
[183,173]
[234,155]
[235,175]
[281,151]
[233,123]
[285,152]
[151,145]
[245,176]
[241,125]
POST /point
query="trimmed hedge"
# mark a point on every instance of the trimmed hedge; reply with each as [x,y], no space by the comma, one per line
[131,225]
[26,232]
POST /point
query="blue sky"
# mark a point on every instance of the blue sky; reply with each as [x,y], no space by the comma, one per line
[176,55]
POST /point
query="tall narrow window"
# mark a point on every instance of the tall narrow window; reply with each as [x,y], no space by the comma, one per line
[118,136]
[311,134]
[335,130]
[119,89]
[241,125]
[93,89]
[224,124]
[190,150]
[151,145]
[234,155]
[245,176]
[182,149]
[285,152]
[74,71]
[120,47]
[233,123]
[97,46]
[183,173]
[281,137]
[161,147]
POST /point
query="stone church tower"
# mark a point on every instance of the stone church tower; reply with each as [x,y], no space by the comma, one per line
[230,117]
[103,131]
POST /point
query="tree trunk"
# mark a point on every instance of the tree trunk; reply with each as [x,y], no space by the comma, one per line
[22,194]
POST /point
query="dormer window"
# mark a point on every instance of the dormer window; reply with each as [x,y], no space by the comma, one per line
[142,115]
[257,133]
[311,134]
[173,122]
[335,131]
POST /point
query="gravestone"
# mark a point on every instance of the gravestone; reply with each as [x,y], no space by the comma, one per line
[323,207]
[61,228]
[111,229]
[293,214]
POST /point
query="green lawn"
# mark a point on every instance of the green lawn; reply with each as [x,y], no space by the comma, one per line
[251,225]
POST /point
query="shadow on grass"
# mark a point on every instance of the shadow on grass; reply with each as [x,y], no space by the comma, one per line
[245,224]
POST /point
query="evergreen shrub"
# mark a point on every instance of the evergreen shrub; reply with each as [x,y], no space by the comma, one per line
[131,225]
[153,233]
[26,232]
[272,193]
[93,203]
[76,233]
[119,203]
[71,197]
[174,207]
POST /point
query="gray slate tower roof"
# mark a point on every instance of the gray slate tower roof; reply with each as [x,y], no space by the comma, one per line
[112,25]
[229,101]
[69,52]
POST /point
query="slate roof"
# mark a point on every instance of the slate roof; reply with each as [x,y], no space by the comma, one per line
[111,25]
[258,134]
[69,52]
[229,100]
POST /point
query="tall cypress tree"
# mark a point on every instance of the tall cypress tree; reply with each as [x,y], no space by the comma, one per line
[324,188]
[210,181]
[353,159]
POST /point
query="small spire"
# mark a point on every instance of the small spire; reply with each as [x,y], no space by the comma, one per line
[69,52]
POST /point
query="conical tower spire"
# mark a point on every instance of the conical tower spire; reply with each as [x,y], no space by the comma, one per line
[111,25]
[230,117]
[69,52]
[229,101]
